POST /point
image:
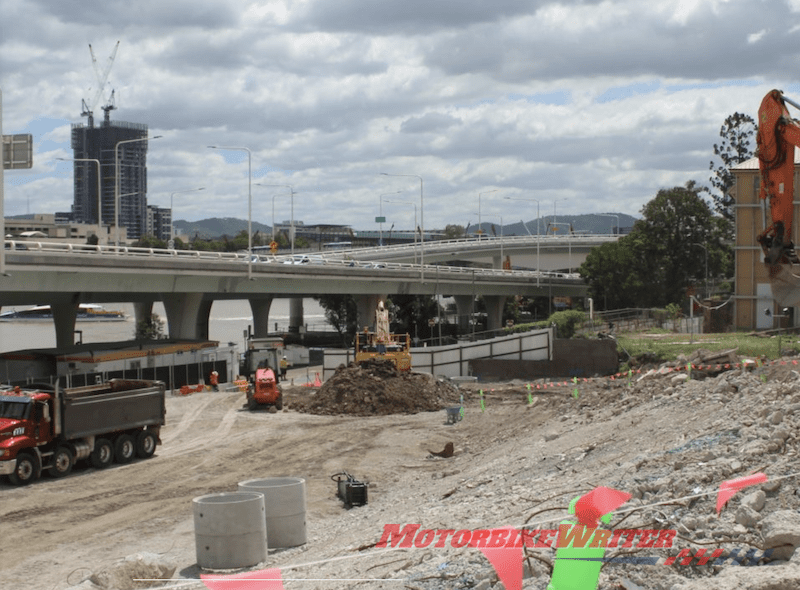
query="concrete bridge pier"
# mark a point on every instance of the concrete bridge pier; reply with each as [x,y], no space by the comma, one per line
[366,306]
[295,314]
[464,308]
[494,311]
[64,316]
[260,308]
[142,310]
[187,315]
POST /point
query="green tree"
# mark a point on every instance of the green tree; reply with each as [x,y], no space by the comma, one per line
[454,232]
[341,313]
[612,273]
[148,241]
[411,314]
[738,133]
[152,328]
[667,251]
[676,227]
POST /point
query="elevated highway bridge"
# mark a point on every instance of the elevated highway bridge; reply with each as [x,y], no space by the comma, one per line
[188,282]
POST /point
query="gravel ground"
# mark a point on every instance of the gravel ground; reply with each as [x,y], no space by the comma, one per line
[520,455]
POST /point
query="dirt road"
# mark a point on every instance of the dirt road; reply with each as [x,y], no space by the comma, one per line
[210,443]
[662,437]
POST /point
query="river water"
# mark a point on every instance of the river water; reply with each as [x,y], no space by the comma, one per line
[228,322]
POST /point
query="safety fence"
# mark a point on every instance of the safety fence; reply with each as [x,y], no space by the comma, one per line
[453,360]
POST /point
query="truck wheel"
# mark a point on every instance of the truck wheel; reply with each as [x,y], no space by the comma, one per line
[279,402]
[63,460]
[28,468]
[145,444]
[103,453]
[124,449]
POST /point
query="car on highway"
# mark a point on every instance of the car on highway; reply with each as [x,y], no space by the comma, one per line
[304,259]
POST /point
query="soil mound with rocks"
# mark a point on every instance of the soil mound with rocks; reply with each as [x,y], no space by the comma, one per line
[377,388]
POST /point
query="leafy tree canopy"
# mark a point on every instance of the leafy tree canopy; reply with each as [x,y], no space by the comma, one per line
[340,312]
[678,242]
[738,134]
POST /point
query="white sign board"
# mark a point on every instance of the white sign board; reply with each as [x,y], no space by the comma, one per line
[17,151]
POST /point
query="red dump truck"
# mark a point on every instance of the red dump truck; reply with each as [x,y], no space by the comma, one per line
[47,428]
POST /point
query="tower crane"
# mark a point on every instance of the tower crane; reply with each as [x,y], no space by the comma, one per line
[102,77]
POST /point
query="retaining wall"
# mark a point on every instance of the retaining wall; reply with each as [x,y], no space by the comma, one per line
[571,358]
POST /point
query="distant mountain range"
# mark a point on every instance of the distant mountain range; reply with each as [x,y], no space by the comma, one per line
[216,227]
[592,223]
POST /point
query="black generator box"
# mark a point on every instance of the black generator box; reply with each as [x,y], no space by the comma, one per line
[349,490]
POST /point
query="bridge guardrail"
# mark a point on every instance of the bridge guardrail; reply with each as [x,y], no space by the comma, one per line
[20,247]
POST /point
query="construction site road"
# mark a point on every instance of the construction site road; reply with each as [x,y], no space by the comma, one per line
[520,455]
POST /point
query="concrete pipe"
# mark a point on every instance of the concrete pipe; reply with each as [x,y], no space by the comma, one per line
[230,530]
[285,508]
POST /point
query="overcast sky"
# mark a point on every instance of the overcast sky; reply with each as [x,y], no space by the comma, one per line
[585,106]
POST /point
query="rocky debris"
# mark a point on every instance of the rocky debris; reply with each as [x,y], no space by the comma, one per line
[781,531]
[755,578]
[446,453]
[376,388]
[132,573]
[668,441]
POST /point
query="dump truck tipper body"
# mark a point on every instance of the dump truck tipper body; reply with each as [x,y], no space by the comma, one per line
[43,428]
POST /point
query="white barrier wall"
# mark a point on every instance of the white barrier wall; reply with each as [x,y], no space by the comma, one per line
[453,360]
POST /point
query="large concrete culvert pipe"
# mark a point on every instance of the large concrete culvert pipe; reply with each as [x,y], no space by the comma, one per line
[285,508]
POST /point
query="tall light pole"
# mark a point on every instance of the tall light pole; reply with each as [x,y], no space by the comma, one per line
[421,221]
[705,250]
[171,216]
[611,215]
[415,221]
[249,203]
[538,267]
[291,227]
[117,179]
[99,187]
[555,221]
[380,214]
[480,225]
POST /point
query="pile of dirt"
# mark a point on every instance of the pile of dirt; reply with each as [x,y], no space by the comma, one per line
[376,388]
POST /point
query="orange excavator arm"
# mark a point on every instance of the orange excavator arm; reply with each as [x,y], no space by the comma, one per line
[778,134]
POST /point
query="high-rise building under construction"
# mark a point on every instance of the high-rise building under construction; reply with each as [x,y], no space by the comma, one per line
[109,145]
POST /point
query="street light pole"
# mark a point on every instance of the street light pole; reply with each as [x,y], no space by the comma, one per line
[555,221]
[117,179]
[538,238]
[480,225]
[415,222]
[99,187]
[171,216]
[611,215]
[291,226]
[421,222]
[705,250]
[380,214]
[249,203]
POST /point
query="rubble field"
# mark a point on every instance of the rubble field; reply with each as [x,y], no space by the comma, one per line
[522,451]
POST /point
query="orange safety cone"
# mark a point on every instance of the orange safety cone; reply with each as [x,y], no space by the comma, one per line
[317,382]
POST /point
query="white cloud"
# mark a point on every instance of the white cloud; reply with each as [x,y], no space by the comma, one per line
[601,102]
